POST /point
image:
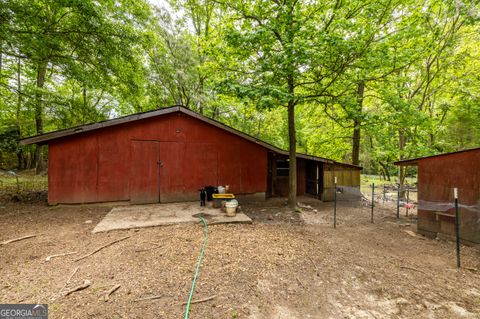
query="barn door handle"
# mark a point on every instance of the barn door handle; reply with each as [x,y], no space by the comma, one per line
[160,163]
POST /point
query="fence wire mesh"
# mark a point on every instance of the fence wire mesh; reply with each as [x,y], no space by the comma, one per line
[431,207]
[21,186]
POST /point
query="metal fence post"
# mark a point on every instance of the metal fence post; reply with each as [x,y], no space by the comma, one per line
[335,203]
[457,226]
[373,199]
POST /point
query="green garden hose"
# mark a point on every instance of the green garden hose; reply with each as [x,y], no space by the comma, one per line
[205,232]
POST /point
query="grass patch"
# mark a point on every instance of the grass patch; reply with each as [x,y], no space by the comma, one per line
[366,180]
[24,181]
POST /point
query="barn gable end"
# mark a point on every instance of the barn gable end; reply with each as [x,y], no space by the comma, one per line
[99,166]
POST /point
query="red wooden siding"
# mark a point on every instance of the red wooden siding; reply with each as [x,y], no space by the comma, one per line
[173,161]
[144,172]
[437,176]
[113,164]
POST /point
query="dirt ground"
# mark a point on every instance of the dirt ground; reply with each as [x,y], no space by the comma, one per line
[284,265]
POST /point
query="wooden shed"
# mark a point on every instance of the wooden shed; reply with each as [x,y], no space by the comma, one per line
[438,175]
[166,155]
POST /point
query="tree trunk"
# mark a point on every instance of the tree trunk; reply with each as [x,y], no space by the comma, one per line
[401,169]
[19,159]
[39,159]
[200,93]
[386,173]
[1,61]
[85,104]
[30,160]
[401,147]
[17,118]
[19,89]
[292,175]
[357,121]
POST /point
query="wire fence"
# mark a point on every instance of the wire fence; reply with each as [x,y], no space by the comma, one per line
[400,198]
[13,186]
[440,211]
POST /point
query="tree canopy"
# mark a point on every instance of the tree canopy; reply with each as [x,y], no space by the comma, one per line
[365,82]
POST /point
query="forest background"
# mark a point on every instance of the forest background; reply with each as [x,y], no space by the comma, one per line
[364,82]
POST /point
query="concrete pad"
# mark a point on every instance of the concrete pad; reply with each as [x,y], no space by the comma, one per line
[136,216]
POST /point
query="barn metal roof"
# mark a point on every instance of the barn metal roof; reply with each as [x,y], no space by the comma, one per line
[414,161]
[47,137]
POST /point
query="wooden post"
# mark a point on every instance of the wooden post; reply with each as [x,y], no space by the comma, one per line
[398,201]
[406,205]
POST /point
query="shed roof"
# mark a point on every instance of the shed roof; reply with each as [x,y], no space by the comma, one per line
[414,161]
[47,137]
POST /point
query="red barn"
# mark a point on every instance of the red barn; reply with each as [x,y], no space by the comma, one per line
[438,175]
[167,155]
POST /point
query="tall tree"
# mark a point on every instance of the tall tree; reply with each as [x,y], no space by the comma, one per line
[77,39]
[291,52]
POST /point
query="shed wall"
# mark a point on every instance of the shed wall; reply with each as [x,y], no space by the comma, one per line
[347,177]
[437,176]
[97,166]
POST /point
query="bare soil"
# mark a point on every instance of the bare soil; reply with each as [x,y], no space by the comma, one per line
[284,265]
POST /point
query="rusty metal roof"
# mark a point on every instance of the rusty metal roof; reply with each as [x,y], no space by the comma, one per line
[47,137]
[414,161]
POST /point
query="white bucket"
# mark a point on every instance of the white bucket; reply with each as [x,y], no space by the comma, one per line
[231,207]
[221,189]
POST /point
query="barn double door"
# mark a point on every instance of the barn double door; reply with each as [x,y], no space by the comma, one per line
[170,171]
[156,171]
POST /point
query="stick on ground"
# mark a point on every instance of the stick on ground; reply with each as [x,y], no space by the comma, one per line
[201,300]
[86,284]
[317,272]
[414,269]
[300,282]
[149,298]
[102,247]
[73,274]
[59,255]
[17,239]
[111,291]
[69,279]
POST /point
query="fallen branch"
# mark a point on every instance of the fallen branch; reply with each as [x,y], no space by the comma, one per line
[149,298]
[415,269]
[68,280]
[17,239]
[86,284]
[111,291]
[102,247]
[73,274]
[300,282]
[201,300]
[59,255]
